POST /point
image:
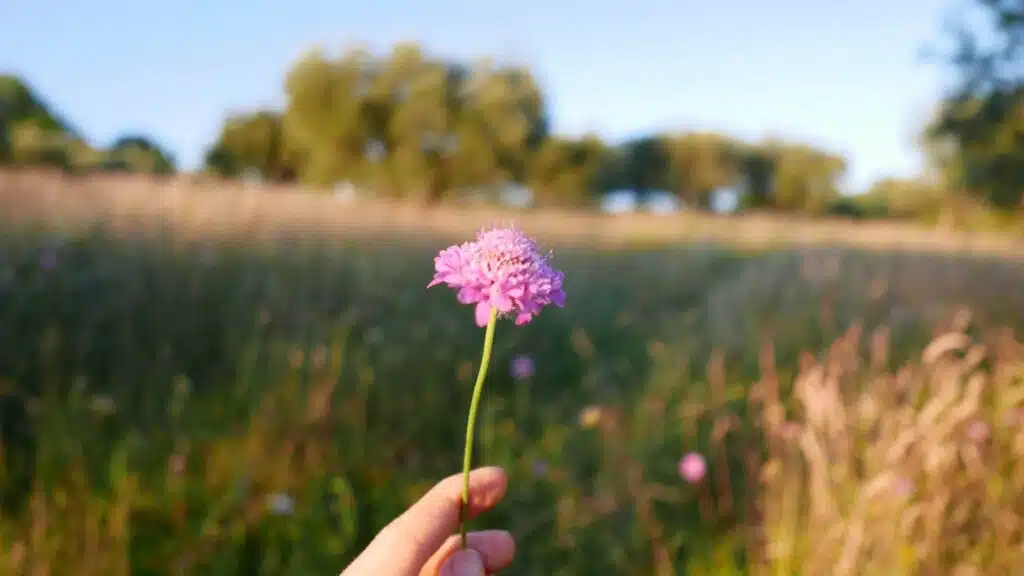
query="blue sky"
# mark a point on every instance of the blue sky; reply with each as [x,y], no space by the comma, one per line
[846,75]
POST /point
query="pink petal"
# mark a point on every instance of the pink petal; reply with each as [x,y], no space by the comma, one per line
[467,295]
[483,314]
[558,298]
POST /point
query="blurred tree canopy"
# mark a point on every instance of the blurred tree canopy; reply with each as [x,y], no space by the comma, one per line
[410,124]
[137,154]
[413,125]
[983,117]
[32,134]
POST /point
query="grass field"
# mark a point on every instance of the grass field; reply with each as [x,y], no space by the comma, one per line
[261,403]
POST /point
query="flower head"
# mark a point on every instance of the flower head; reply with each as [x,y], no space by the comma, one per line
[693,467]
[502,270]
[280,504]
[978,431]
[522,367]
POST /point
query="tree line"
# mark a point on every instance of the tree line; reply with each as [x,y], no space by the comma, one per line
[409,124]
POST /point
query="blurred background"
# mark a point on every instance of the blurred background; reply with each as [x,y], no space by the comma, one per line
[793,241]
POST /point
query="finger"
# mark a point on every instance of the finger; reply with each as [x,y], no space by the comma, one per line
[411,539]
[496,549]
[464,563]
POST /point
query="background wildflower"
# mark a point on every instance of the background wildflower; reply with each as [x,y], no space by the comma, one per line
[522,367]
[692,467]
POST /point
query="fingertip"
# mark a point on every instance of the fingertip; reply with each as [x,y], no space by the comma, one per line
[466,562]
[497,548]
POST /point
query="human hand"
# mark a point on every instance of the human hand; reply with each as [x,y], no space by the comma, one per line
[423,541]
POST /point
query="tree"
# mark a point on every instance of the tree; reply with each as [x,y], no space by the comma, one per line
[793,176]
[646,164]
[758,169]
[324,120]
[903,198]
[251,143]
[565,171]
[700,163]
[31,134]
[138,154]
[984,114]
[33,144]
[412,124]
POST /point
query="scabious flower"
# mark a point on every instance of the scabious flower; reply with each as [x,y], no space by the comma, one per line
[522,367]
[503,274]
[503,270]
[692,467]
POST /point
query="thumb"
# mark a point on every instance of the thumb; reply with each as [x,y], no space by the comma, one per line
[463,563]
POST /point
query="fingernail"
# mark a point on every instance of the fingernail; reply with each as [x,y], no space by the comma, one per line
[464,563]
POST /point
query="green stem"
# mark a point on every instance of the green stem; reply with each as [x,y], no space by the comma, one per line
[467,458]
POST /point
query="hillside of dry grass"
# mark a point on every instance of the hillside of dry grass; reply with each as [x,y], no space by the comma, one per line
[194,205]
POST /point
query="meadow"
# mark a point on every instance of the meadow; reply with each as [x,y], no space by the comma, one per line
[194,389]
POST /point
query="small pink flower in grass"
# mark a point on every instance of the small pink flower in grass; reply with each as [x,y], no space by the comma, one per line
[522,367]
[903,487]
[978,431]
[692,468]
[501,271]
[503,274]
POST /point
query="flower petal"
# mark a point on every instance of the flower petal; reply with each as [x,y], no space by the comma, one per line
[483,314]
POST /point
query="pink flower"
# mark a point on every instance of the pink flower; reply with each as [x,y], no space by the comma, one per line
[501,270]
[692,467]
[522,367]
[978,431]
[904,487]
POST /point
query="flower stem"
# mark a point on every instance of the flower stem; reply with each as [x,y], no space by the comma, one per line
[467,458]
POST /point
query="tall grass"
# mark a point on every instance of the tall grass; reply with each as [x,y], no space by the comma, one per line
[175,405]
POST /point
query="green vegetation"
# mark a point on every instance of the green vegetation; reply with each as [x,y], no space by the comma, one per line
[163,396]
[260,386]
[408,124]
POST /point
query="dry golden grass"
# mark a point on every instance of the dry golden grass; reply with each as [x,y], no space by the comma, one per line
[196,205]
[914,471]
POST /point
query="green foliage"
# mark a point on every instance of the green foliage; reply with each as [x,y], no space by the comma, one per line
[905,199]
[564,171]
[984,115]
[647,164]
[411,124]
[137,154]
[701,163]
[408,124]
[803,178]
[252,143]
[759,178]
[161,393]
[32,135]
